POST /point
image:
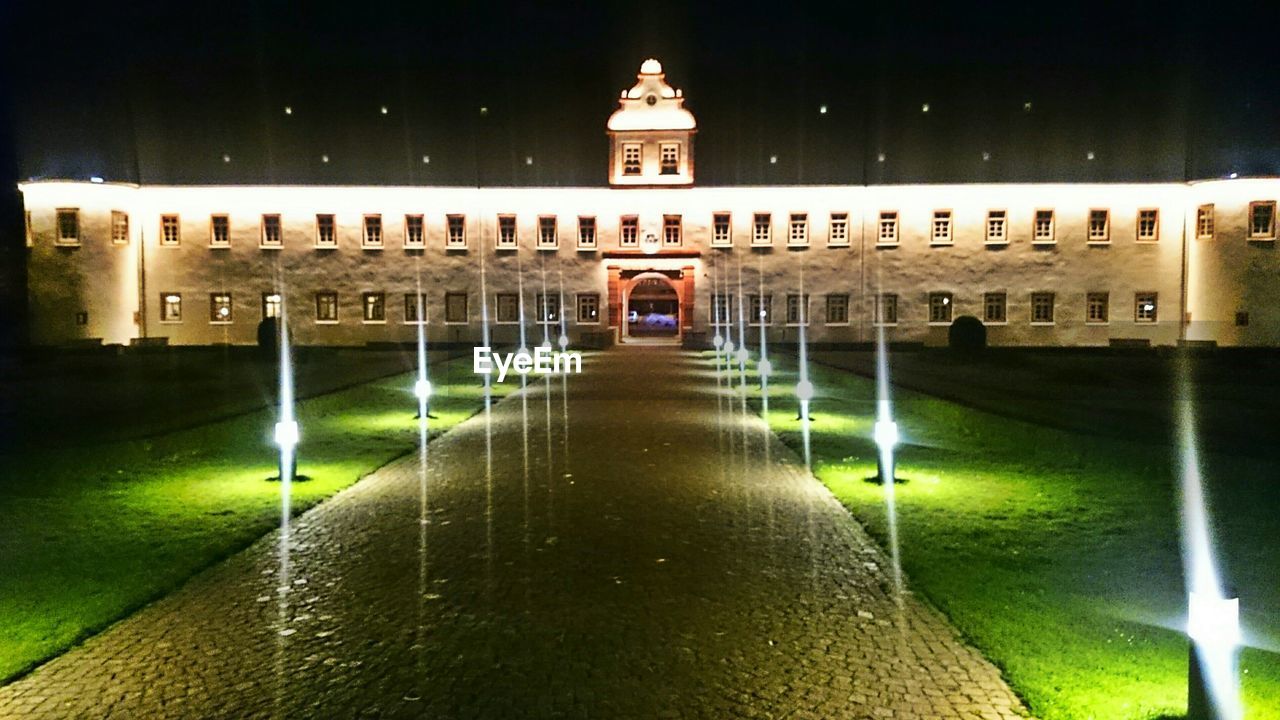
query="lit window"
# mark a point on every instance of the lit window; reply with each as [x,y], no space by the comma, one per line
[326,234]
[455,307]
[670,159]
[1148,225]
[373,231]
[415,307]
[798,229]
[886,310]
[327,307]
[414,231]
[271,236]
[375,307]
[722,308]
[760,310]
[219,231]
[457,231]
[630,233]
[507,308]
[1097,308]
[1042,308]
[270,305]
[506,231]
[1144,308]
[941,227]
[997,226]
[888,232]
[586,231]
[170,307]
[588,309]
[671,231]
[720,229]
[761,229]
[1043,229]
[838,231]
[548,307]
[220,308]
[995,307]
[632,156]
[547,236]
[1204,222]
[119,227]
[1262,220]
[940,307]
[797,310]
[838,309]
[170,230]
[1099,225]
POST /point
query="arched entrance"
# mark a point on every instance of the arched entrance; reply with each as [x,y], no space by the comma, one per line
[651,309]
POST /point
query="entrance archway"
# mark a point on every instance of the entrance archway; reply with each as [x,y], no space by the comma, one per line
[651,309]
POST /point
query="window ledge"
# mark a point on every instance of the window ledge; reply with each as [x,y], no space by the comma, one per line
[1042,324]
[941,243]
[120,243]
[880,325]
[798,244]
[1097,242]
[836,324]
[375,322]
[163,245]
[1251,238]
[995,323]
[940,323]
[326,322]
[506,248]
[372,247]
[65,244]
[457,323]
[1157,241]
[843,244]
[170,322]
[327,247]
[997,243]
[219,246]
[586,322]
[1096,323]
[721,244]
[796,325]
[587,248]
[270,247]
[1044,242]
[221,322]
[415,246]
[455,247]
[881,244]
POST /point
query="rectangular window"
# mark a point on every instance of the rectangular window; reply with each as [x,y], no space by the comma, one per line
[995,308]
[798,229]
[1148,225]
[1097,308]
[1204,222]
[888,232]
[632,158]
[548,306]
[838,231]
[760,310]
[1262,220]
[1144,307]
[1042,308]
[1042,231]
[220,308]
[507,231]
[170,307]
[721,234]
[119,227]
[886,310]
[270,305]
[797,310]
[838,309]
[629,235]
[670,159]
[326,233]
[940,307]
[997,226]
[586,232]
[327,307]
[455,308]
[507,308]
[588,309]
[271,236]
[457,231]
[722,309]
[415,234]
[372,231]
[219,231]
[170,230]
[671,231]
[415,307]
[1099,226]
[547,237]
[941,227]
[761,229]
[375,307]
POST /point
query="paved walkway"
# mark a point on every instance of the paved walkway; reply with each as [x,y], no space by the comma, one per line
[652,553]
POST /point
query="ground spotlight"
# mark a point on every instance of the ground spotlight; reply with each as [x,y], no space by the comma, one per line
[422,390]
[1213,625]
[804,391]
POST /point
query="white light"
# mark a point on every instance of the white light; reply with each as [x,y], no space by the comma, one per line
[924,108]
[1026,107]
[383,109]
[273,298]
[764,314]
[422,389]
[804,390]
[173,298]
[528,159]
[773,159]
[718,341]
[986,156]
[224,311]
[1213,620]
[946,301]
[288,110]
[287,434]
[880,157]
[1233,176]
[822,109]
[226,158]
[1089,155]
[563,342]
[885,434]
[324,158]
[426,159]
[765,368]
[95,179]
[728,347]
[484,110]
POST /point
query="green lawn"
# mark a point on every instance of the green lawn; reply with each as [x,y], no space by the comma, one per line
[89,533]
[1056,554]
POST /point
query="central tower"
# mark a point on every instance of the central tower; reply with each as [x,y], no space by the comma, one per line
[651,134]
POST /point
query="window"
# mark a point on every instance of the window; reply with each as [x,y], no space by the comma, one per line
[1097,308]
[507,231]
[995,308]
[1042,308]
[372,231]
[220,308]
[720,229]
[270,305]
[759,310]
[414,231]
[548,308]
[1242,318]
[170,307]
[588,309]
[326,235]
[327,307]
[797,310]
[219,231]
[941,227]
[170,231]
[375,307]
[632,158]
[455,308]
[761,229]
[1099,226]
[997,226]
[888,234]
[838,231]
[940,307]
[1148,225]
[547,231]
[886,310]
[119,227]
[629,236]
[271,231]
[1262,220]
[508,308]
[457,231]
[722,308]
[586,232]
[1204,222]
[82,317]
[1042,231]
[838,309]
[671,231]
[798,229]
[415,307]
[669,159]
[1144,307]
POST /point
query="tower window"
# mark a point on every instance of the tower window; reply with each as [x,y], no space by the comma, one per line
[1042,230]
[941,227]
[220,308]
[669,159]
[632,158]
[119,227]
[1204,222]
[1262,220]
[1042,308]
[761,229]
[838,231]
[720,229]
[373,231]
[170,232]
[995,308]
[997,226]
[457,231]
[375,307]
[1144,307]
[838,309]
[588,309]
[326,307]
[547,237]
[886,310]
[798,229]
[888,230]
[1097,308]
[170,307]
[940,307]
[586,232]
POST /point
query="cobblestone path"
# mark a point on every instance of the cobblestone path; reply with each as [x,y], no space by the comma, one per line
[635,547]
